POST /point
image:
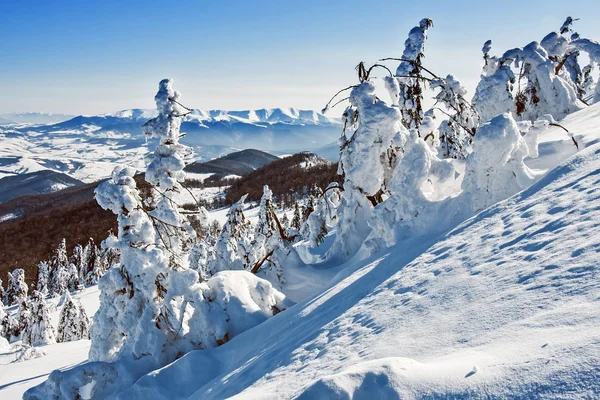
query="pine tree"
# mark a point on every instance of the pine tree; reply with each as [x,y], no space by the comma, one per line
[23,317]
[233,250]
[2,293]
[9,325]
[165,172]
[371,129]
[9,294]
[456,133]
[3,322]
[17,289]
[73,322]
[308,208]
[139,313]
[97,267]
[409,88]
[285,221]
[79,260]
[43,275]
[265,234]
[297,219]
[59,270]
[86,260]
[39,330]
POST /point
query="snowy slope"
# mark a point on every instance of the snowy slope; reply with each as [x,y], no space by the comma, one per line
[17,377]
[505,305]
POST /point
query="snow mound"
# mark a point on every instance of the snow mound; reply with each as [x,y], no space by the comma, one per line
[235,301]
[505,305]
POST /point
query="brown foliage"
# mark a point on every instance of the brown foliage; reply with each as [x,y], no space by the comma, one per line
[47,219]
[286,179]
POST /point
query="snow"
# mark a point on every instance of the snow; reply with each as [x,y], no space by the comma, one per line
[16,378]
[505,304]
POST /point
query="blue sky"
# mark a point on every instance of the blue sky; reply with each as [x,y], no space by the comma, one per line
[89,57]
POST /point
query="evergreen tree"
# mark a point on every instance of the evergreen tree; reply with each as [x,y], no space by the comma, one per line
[17,290]
[79,260]
[39,330]
[285,221]
[372,127]
[265,233]
[72,277]
[43,276]
[23,317]
[165,172]
[73,322]
[97,267]
[308,208]
[59,270]
[233,250]
[9,294]
[3,322]
[297,219]
[86,260]
[456,133]
[9,325]
[408,91]
[139,313]
[2,293]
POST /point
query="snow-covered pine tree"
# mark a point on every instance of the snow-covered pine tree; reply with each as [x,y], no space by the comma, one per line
[408,93]
[233,250]
[43,276]
[128,309]
[80,260]
[2,292]
[297,218]
[457,131]
[285,221]
[18,288]
[39,330]
[364,160]
[57,284]
[9,293]
[550,78]
[86,260]
[23,313]
[494,92]
[200,256]
[215,228]
[72,277]
[72,323]
[4,324]
[97,266]
[165,172]
[309,207]
[266,235]
[317,225]
[142,303]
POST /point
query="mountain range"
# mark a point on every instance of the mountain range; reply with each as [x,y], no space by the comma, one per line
[87,148]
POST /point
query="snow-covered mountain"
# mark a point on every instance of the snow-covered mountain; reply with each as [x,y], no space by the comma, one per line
[36,118]
[88,147]
[265,129]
